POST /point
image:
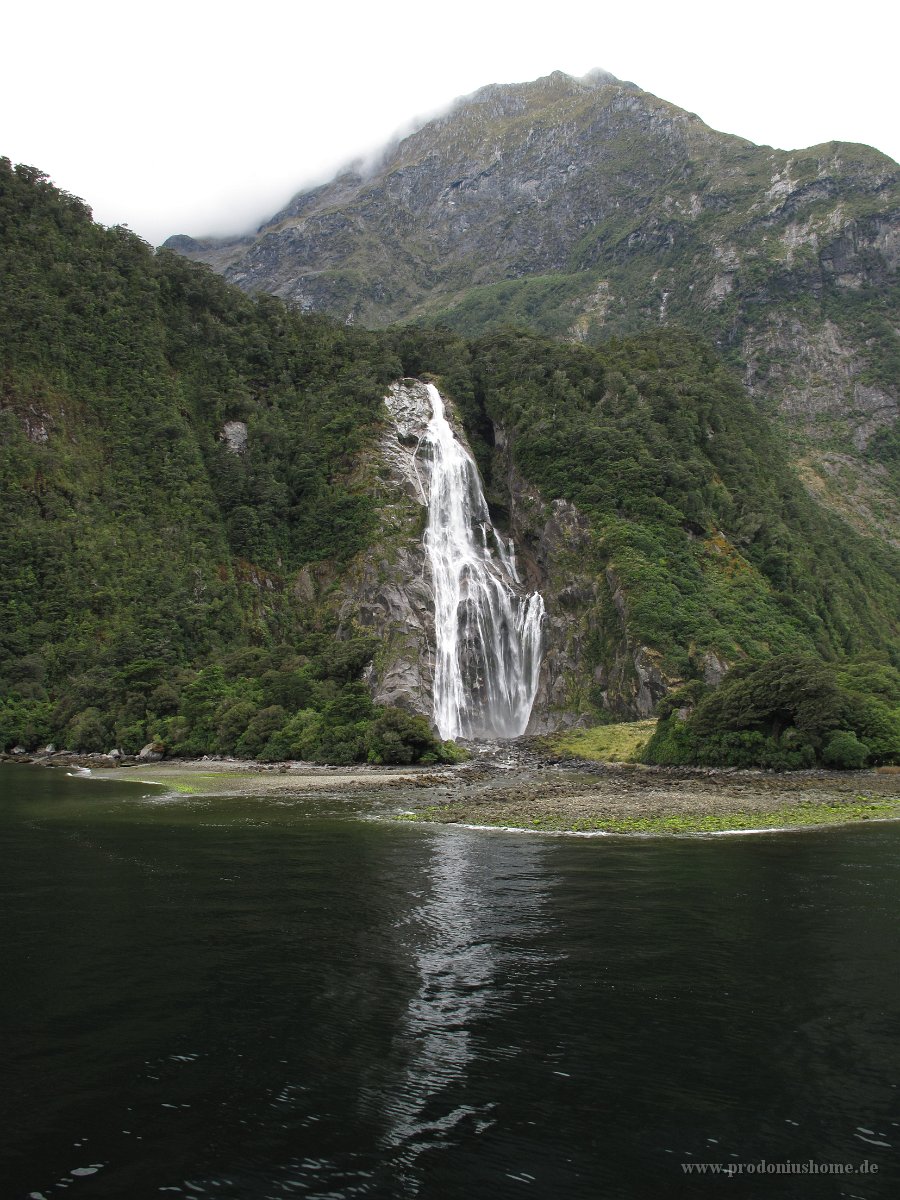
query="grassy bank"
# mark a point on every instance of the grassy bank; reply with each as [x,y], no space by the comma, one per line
[619,743]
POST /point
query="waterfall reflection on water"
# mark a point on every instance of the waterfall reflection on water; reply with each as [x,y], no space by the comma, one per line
[252,1000]
[473,941]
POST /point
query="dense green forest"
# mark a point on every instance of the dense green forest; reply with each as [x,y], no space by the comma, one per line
[144,567]
[152,578]
[791,712]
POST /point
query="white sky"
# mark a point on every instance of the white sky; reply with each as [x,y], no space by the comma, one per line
[198,117]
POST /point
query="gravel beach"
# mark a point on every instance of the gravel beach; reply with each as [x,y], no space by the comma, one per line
[514,788]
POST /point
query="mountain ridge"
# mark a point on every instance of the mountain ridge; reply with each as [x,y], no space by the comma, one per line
[587,210]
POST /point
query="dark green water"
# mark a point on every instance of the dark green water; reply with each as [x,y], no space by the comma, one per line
[246,998]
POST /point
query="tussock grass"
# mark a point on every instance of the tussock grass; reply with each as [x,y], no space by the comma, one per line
[620,743]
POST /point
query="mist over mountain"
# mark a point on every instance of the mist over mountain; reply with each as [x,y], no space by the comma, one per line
[589,208]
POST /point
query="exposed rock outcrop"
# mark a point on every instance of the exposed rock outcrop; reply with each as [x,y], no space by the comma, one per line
[152,752]
[234,435]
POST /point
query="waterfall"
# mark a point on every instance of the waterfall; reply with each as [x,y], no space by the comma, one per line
[487,627]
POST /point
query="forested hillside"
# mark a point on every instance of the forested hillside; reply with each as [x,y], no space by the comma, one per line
[145,567]
[188,478]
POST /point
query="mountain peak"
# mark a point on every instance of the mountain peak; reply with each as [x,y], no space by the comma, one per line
[599,78]
[556,85]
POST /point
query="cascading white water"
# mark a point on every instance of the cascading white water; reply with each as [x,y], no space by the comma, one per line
[487,628]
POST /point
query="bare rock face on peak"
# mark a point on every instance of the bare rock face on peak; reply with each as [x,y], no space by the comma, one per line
[589,207]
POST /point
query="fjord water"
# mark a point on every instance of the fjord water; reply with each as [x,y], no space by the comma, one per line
[487,628]
[257,998]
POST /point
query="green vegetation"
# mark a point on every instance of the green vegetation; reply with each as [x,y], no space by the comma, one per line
[621,742]
[300,703]
[791,712]
[146,569]
[158,583]
[784,816]
[549,303]
[695,510]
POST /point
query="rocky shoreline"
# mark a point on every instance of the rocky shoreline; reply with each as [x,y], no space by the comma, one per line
[619,798]
[518,786]
[74,758]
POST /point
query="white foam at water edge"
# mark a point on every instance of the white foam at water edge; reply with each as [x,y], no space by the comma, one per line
[642,834]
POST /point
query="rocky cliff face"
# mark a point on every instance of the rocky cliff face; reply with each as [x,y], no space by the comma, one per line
[647,212]
[589,207]
[514,181]
[592,661]
[388,589]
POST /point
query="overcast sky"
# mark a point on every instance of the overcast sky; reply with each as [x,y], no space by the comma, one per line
[198,117]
